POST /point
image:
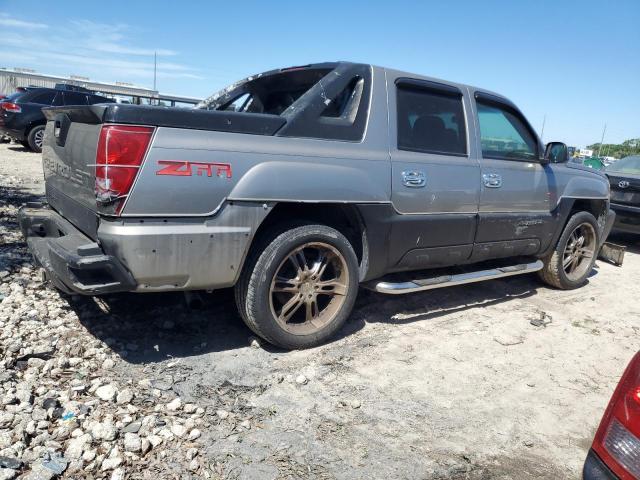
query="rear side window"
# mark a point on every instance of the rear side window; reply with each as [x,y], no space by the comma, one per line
[504,135]
[43,98]
[430,120]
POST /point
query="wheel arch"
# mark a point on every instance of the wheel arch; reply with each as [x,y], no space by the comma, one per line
[568,206]
[343,217]
[32,124]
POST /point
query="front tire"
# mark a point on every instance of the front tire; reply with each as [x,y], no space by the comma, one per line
[300,289]
[35,138]
[571,262]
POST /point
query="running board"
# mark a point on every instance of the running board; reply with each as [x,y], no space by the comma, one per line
[419,285]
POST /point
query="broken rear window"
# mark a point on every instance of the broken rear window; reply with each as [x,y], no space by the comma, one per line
[270,93]
[325,101]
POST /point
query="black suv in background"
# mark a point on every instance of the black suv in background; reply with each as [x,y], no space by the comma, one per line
[21,116]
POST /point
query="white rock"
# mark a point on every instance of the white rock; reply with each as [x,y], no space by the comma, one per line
[8,474]
[145,446]
[77,446]
[222,414]
[111,463]
[194,434]
[189,408]
[174,405]
[191,453]
[124,396]
[118,474]
[108,364]
[132,442]
[178,430]
[155,440]
[89,456]
[6,419]
[107,393]
[301,380]
[104,431]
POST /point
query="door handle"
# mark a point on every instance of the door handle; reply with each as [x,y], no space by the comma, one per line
[414,179]
[492,180]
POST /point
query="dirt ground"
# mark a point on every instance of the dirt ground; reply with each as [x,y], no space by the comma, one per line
[452,383]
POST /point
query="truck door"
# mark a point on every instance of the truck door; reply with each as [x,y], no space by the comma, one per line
[435,174]
[515,211]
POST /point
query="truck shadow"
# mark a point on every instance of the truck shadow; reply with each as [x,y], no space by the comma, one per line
[153,327]
[149,328]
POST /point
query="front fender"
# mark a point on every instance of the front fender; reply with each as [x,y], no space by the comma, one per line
[590,187]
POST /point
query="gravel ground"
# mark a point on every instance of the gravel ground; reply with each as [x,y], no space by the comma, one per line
[500,380]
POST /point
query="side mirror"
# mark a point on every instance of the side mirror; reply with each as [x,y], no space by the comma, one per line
[556,152]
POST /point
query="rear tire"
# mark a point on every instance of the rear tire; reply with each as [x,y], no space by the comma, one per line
[572,260]
[299,286]
[35,138]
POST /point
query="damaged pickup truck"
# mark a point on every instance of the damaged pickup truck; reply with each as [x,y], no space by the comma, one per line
[298,185]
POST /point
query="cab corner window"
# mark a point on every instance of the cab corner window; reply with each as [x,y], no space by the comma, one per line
[431,121]
[504,135]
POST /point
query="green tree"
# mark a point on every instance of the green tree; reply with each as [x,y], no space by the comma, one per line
[618,150]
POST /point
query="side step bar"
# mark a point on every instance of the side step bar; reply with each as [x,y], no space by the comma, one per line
[419,285]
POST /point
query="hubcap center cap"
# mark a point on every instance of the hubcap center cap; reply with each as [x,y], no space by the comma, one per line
[307,288]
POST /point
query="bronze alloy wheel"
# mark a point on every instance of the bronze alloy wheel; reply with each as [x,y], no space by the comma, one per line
[309,288]
[580,249]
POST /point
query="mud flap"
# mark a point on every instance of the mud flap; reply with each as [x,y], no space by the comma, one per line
[612,253]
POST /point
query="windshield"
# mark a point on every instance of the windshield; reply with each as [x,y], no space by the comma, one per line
[629,165]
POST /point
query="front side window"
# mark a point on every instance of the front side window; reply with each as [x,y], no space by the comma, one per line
[73,98]
[504,135]
[431,121]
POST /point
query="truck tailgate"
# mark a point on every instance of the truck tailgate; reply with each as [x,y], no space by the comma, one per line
[69,171]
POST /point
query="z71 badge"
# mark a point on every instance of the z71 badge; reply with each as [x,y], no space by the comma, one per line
[183,168]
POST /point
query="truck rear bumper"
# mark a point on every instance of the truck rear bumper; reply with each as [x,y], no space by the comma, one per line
[72,261]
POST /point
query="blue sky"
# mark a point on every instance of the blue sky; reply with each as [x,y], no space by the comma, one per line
[578,62]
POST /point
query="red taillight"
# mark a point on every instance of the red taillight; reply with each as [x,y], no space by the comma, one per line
[617,440]
[10,107]
[121,149]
